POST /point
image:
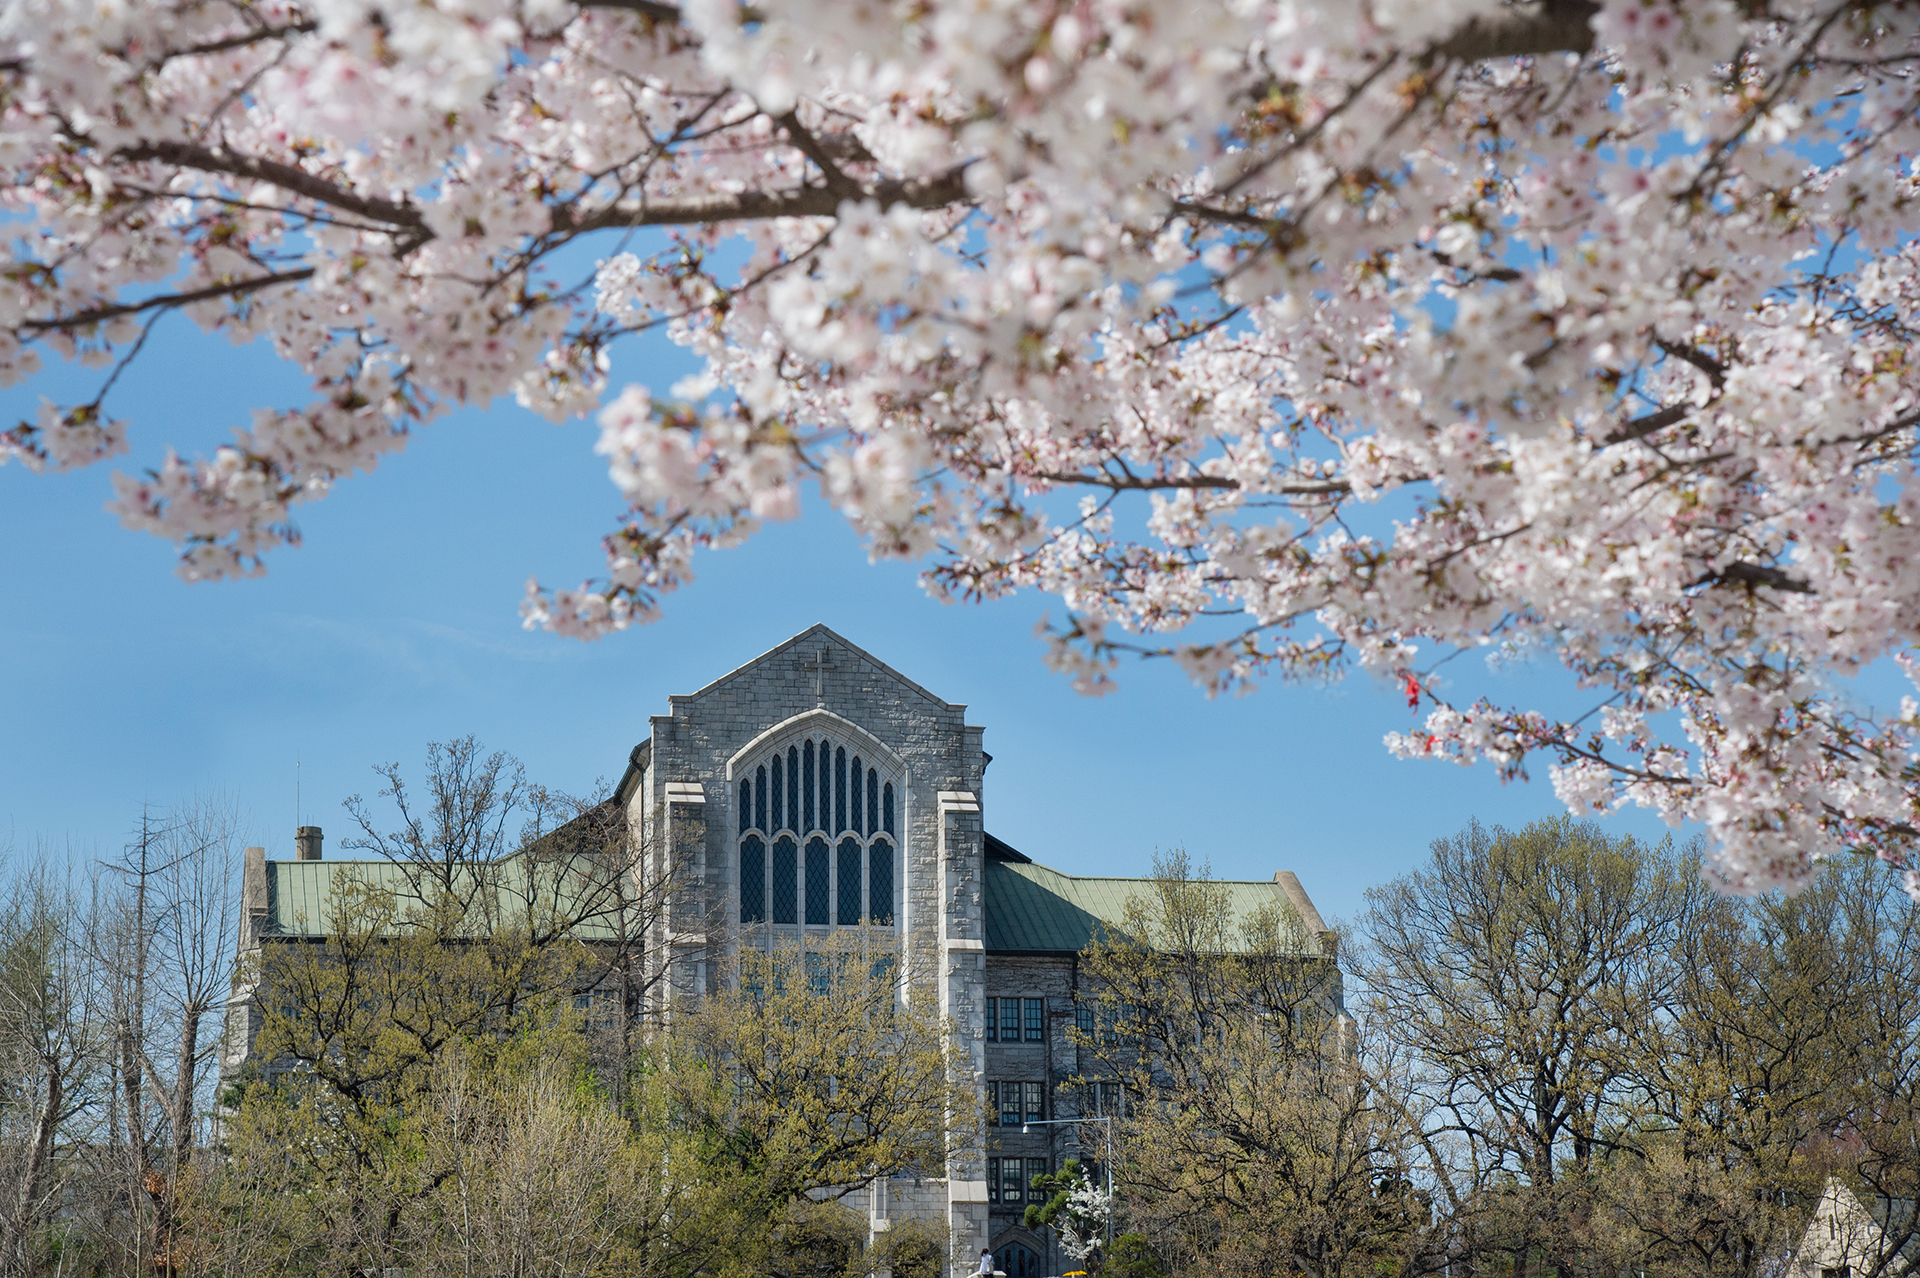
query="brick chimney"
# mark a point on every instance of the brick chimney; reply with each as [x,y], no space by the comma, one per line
[306,843]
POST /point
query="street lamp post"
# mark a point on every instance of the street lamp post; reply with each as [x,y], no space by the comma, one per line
[1108,1165]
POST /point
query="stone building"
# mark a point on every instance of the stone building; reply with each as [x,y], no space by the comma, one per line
[814,788]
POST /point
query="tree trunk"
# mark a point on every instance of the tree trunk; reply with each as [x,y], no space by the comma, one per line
[33,1176]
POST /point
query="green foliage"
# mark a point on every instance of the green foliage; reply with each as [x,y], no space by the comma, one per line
[911,1249]
[1058,1187]
[1133,1257]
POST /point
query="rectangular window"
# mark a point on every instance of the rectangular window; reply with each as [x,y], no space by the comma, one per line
[1036,1020]
[1011,1188]
[1107,1104]
[1035,1095]
[993,1177]
[1010,1105]
[1083,1018]
[993,1026]
[1035,1167]
[1009,1020]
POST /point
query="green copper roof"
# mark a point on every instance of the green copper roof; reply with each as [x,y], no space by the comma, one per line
[300,894]
[1032,909]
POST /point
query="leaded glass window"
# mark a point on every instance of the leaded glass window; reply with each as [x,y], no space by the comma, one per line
[839,789]
[993,1026]
[753,880]
[853,805]
[1009,1020]
[806,782]
[880,883]
[793,789]
[825,821]
[817,830]
[1036,1020]
[993,1179]
[819,884]
[785,881]
[1009,1104]
[1035,1096]
[848,915]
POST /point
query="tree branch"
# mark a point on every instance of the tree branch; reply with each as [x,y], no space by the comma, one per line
[666,15]
[1641,427]
[1751,575]
[807,201]
[288,177]
[1550,26]
[239,288]
[1132,483]
[808,145]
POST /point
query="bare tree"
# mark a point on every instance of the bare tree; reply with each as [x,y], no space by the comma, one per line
[166,952]
[1521,970]
[53,1047]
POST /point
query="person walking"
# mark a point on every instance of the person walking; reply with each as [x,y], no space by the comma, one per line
[986,1264]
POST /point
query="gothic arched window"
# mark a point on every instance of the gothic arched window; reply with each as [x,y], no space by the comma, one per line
[817,839]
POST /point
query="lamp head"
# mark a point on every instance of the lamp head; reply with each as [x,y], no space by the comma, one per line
[1023,1129]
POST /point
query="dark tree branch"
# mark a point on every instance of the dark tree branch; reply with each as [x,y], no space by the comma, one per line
[1133,483]
[1716,371]
[238,288]
[242,41]
[288,177]
[1641,427]
[808,145]
[666,15]
[808,201]
[1549,26]
[1740,573]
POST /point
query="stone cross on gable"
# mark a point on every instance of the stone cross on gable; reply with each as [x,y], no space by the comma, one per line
[819,667]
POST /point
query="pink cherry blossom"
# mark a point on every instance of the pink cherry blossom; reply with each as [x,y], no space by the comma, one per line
[1384,330]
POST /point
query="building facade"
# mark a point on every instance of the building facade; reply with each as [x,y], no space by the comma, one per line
[816,788]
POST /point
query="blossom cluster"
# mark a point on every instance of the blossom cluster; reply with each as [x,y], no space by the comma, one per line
[1381,330]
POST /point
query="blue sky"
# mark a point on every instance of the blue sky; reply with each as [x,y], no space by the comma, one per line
[395,624]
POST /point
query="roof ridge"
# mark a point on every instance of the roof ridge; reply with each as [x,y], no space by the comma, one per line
[1127,878]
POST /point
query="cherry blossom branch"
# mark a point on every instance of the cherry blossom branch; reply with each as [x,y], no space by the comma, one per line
[937,192]
[100,314]
[1549,26]
[288,177]
[1134,483]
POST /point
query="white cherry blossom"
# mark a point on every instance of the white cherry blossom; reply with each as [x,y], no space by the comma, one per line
[1369,332]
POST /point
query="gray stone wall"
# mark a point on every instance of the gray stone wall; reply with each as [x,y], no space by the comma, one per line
[1053,1061]
[686,802]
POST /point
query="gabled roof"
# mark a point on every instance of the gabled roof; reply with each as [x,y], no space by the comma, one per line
[1031,909]
[816,633]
